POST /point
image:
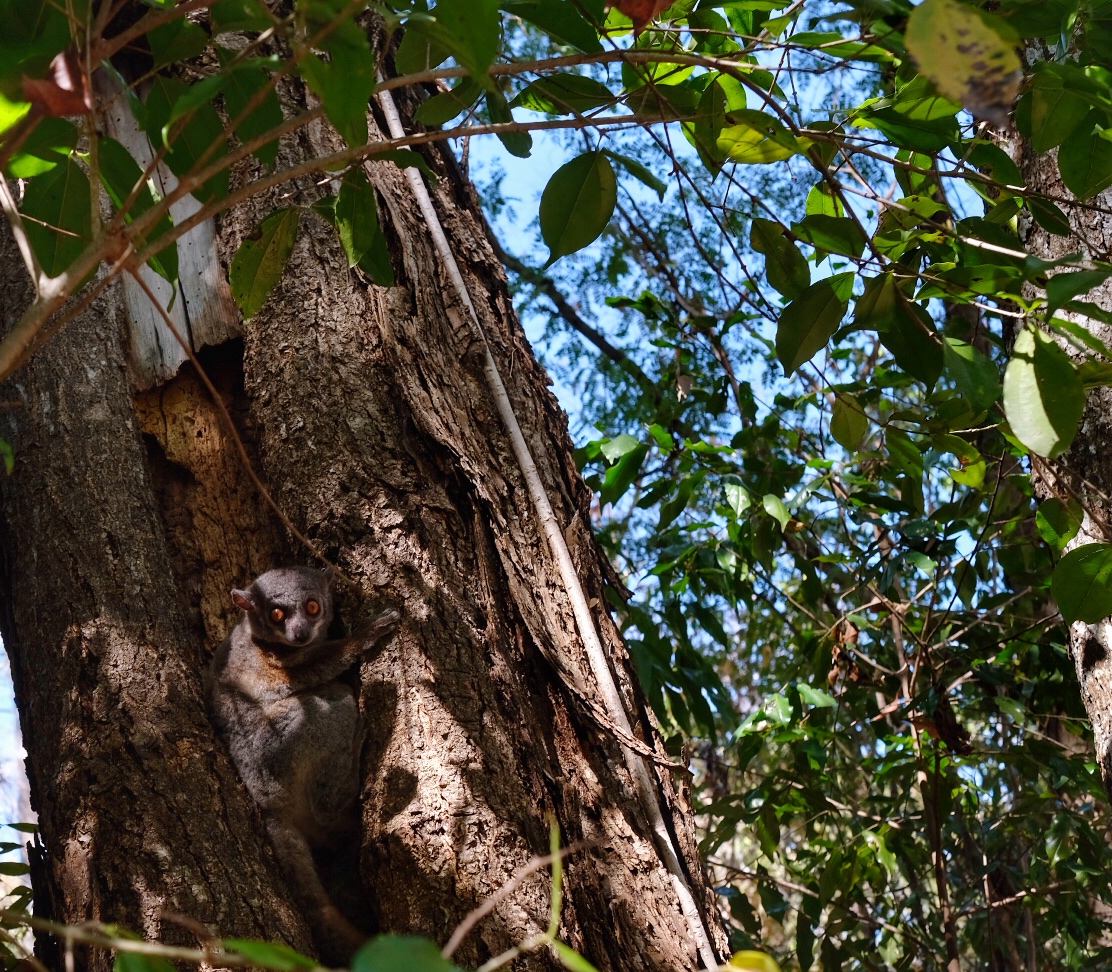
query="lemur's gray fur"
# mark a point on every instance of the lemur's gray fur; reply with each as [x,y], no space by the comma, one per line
[293,728]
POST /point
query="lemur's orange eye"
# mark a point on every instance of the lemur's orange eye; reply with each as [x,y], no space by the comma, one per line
[312,608]
[277,615]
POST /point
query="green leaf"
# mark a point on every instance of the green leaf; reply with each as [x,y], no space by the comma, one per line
[849,424]
[675,505]
[755,138]
[785,267]
[619,446]
[1043,394]
[1082,583]
[736,495]
[774,507]
[577,204]
[377,262]
[918,101]
[14,868]
[260,260]
[903,326]
[32,32]
[973,467]
[192,98]
[1059,520]
[236,15]
[1063,287]
[418,52]
[768,830]
[639,172]
[831,234]
[917,134]
[816,698]
[663,438]
[470,30]
[51,140]
[572,959]
[973,373]
[178,40]
[516,143]
[965,582]
[8,455]
[242,86]
[968,54]
[821,201]
[1049,216]
[622,475]
[1085,162]
[11,112]
[58,210]
[807,323]
[559,19]
[188,141]
[564,94]
[119,174]
[992,160]
[271,955]
[356,215]
[442,108]
[131,962]
[404,159]
[344,85]
[1054,111]
[392,953]
[914,342]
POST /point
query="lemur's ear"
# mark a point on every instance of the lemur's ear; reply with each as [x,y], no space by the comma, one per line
[329,572]
[245,601]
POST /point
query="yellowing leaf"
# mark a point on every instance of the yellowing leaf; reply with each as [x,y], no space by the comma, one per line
[755,137]
[1043,394]
[966,53]
[754,962]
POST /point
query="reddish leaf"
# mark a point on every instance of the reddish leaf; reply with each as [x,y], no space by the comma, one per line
[641,11]
[66,91]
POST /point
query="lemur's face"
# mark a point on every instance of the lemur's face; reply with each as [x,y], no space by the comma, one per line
[290,606]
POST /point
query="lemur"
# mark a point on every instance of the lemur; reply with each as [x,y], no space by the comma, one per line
[293,728]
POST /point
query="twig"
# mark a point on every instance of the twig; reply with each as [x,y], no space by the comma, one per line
[547,286]
[92,933]
[19,231]
[28,955]
[479,913]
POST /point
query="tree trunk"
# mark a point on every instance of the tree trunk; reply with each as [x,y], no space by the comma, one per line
[128,519]
[1085,471]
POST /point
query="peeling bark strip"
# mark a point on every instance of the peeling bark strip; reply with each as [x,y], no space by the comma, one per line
[201,304]
[370,422]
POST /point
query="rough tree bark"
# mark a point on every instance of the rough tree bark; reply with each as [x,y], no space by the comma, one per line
[1085,471]
[128,518]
